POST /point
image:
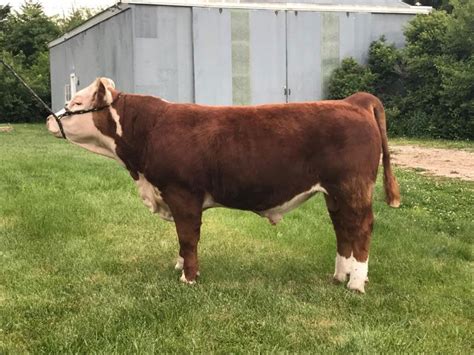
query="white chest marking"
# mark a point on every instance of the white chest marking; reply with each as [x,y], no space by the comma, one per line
[275,214]
[116,118]
[151,197]
[209,202]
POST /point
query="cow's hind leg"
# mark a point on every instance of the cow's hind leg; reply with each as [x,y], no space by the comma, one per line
[353,222]
[187,212]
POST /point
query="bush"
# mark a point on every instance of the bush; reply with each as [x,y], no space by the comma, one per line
[440,71]
[427,87]
[350,78]
[386,64]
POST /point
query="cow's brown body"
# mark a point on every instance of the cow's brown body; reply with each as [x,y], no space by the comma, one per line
[256,158]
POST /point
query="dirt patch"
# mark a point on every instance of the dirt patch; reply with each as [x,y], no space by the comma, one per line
[435,161]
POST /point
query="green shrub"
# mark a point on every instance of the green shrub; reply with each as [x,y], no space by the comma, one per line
[386,64]
[427,87]
[350,78]
[440,73]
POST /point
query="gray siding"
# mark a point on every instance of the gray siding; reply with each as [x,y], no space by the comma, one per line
[355,35]
[164,52]
[220,56]
[267,56]
[391,26]
[304,55]
[330,56]
[103,50]
[212,43]
[240,34]
[59,74]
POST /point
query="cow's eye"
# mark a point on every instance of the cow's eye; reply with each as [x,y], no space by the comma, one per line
[77,103]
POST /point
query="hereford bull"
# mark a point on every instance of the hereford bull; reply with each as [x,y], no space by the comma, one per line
[267,159]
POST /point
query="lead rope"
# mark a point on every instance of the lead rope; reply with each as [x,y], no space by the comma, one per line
[35,95]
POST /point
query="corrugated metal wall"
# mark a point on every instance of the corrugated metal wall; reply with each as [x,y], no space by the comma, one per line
[220,56]
[213,56]
[250,56]
[163,51]
[304,55]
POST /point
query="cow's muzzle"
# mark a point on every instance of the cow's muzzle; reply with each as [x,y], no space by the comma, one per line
[55,127]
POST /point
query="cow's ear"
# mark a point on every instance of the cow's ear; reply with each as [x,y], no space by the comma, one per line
[104,96]
[110,82]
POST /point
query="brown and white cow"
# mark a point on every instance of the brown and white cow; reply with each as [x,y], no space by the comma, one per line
[267,159]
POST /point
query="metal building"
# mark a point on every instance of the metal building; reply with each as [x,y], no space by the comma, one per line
[226,52]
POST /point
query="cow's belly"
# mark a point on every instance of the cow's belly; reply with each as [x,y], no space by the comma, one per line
[151,197]
[275,214]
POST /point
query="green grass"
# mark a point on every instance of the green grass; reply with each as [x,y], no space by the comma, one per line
[434,143]
[86,268]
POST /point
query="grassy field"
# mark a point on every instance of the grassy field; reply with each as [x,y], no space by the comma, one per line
[86,268]
[439,143]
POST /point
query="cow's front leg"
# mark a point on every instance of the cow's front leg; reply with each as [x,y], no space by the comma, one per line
[186,208]
[179,263]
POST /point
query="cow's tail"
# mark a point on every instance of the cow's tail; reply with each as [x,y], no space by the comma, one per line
[392,190]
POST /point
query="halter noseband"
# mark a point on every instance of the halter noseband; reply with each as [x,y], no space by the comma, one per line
[68,112]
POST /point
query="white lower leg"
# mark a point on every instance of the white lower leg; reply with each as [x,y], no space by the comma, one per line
[358,277]
[343,267]
[179,263]
[183,279]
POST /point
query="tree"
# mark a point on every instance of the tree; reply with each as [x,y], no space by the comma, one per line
[459,40]
[29,31]
[4,12]
[76,18]
[437,4]
[24,39]
[440,71]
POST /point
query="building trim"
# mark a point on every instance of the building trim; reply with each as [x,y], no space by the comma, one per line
[95,20]
[234,4]
[124,5]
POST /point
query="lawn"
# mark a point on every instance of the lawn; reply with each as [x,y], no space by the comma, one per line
[431,143]
[86,268]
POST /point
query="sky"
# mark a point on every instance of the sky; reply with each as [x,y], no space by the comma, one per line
[61,7]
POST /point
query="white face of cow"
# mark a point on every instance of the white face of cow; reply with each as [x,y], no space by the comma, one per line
[81,129]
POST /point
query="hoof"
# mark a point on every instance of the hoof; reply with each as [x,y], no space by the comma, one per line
[394,203]
[186,281]
[357,285]
[339,278]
